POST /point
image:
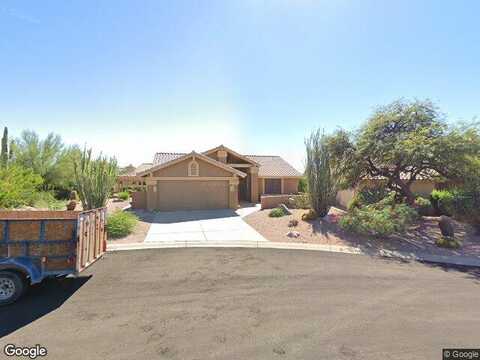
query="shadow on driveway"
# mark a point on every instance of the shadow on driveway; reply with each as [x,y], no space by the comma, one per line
[39,300]
[170,217]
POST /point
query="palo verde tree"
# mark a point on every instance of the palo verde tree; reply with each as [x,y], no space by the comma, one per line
[400,143]
[322,186]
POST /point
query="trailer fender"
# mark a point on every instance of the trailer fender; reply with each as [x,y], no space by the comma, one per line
[24,266]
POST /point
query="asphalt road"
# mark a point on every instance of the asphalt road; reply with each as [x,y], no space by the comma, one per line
[249,304]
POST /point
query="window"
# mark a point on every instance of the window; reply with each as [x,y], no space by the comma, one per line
[193,169]
[273,186]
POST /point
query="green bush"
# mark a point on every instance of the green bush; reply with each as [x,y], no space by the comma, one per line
[424,206]
[124,195]
[277,212]
[301,201]
[18,186]
[378,219]
[121,224]
[302,185]
[368,196]
[442,202]
[46,200]
[448,242]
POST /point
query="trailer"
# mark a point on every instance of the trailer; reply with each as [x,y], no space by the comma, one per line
[35,245]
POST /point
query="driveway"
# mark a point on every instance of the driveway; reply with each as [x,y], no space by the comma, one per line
[210,303]
[223,225]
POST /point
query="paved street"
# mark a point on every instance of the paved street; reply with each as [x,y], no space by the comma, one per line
[249,304]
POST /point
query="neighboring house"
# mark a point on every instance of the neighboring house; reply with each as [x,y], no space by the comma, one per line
[217,178]
[421,186]
[130,180]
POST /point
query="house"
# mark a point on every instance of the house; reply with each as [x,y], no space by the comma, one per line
[422,186]
[130,180]
[214,179]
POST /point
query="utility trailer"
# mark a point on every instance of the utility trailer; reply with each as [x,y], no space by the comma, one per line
[39,244]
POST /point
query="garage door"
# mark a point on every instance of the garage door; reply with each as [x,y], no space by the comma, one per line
[192,195]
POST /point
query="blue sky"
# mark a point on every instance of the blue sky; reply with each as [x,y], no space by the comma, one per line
[134,77]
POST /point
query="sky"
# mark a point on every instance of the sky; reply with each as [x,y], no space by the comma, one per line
[130,78]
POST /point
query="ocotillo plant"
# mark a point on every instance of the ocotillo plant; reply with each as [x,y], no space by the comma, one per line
[321,182]
[4,155]
[94,179]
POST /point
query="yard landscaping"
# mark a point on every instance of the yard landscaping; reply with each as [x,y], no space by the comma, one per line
[420,237]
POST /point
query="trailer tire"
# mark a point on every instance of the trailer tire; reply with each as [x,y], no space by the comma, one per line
[12,286]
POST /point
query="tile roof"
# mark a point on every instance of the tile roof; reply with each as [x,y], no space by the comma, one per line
[161,158]
[273,166]
[269,165]
[143,167]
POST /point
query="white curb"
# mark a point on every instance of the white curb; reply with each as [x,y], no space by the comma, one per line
[233,244]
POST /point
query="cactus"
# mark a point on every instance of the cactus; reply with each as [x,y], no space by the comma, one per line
[322,186]
[5,154]
[94,179]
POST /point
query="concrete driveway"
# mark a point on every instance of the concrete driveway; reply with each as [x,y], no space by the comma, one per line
[224,225]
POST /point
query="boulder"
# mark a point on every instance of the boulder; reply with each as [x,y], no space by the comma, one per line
[293,234]
[446,226]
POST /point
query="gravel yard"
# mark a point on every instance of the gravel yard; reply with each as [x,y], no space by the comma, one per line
[420,237]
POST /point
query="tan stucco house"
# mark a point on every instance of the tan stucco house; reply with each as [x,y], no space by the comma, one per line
[216,178]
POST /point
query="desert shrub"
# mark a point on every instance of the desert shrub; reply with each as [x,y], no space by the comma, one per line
[301,201]
[123,195]
[302,185]
[448,242]
[368,196]
[47,200]
[310,215]
[442,201]
[424,206]
[121,224]
[18,186]
[277,212]
[380,219]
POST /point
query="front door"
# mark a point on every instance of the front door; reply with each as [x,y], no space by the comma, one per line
[243,189]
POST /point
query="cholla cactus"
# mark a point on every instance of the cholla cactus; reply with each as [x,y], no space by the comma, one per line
[322,186]
[94,179]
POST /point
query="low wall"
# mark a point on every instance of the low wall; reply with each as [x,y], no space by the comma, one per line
[139,200]
[272,201]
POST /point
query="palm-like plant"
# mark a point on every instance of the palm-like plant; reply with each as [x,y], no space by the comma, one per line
[94,179]
[321,180]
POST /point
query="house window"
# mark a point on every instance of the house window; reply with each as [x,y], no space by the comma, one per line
[193,169]
[273,186]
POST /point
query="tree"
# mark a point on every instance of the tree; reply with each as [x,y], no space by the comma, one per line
[400,143]
[5,153]
[322,186]
[94,179]
[18,186]
[47,157]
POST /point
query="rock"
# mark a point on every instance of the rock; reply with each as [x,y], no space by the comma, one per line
[293,223]
[285,209]
[293,234]
[446,226]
